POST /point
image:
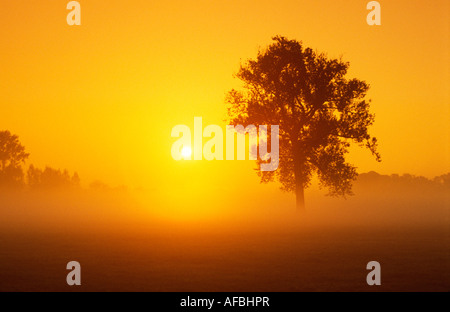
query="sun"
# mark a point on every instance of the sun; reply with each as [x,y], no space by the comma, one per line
[186,152]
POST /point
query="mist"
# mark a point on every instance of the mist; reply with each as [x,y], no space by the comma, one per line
[137,240]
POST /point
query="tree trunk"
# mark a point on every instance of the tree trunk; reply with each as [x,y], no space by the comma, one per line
[300,197]
[299,160]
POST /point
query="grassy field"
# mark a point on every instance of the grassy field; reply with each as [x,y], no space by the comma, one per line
[125,244]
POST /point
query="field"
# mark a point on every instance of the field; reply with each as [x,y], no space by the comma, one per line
[261,248]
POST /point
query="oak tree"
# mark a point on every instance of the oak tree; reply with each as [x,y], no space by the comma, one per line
[319,112]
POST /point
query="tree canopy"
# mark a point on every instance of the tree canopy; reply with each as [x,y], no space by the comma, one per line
[319,112]
[12,156]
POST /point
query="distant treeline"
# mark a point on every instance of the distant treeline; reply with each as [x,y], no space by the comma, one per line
[13,175]
[378,182]
[48,178]
[36,178]
[51,178]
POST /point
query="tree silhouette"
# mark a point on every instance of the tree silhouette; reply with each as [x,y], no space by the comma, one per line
[12,155]
[50,178]
[318,110]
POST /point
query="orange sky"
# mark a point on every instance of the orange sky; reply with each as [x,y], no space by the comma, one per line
[102,98]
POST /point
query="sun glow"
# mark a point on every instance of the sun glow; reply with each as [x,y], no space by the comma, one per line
[186,152]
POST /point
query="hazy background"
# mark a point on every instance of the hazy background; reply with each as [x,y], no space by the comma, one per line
[101,99]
